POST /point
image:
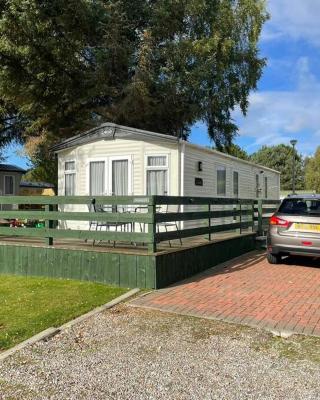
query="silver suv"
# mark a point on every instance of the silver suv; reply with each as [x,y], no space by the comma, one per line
[295,228]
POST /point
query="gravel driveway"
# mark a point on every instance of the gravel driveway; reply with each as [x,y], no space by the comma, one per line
[129,353]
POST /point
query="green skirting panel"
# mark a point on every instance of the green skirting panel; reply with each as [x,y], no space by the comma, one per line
[126,270]
[175,266]
[110,268]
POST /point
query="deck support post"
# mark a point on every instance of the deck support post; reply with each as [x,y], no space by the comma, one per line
[49,225]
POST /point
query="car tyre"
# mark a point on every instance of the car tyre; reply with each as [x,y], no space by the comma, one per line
[273,258]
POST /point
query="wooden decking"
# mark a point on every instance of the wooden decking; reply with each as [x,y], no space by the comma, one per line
[119,248]
[145,252]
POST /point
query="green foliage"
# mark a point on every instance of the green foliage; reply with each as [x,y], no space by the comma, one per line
[236,151]
[312,171]
[31,305]
[280,158]
[159,65]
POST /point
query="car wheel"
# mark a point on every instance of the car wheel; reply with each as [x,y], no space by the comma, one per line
[273,258]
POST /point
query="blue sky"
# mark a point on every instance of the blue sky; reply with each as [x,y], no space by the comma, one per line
[287,102]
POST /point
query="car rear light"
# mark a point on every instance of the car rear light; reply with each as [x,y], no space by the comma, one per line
[279,222]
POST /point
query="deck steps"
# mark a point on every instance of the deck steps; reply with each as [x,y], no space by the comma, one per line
[261,242]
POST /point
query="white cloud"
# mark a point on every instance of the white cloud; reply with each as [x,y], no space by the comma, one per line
[294,19]
[278,116]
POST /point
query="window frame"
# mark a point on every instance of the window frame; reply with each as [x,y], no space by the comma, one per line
[221,168]
[4,184]
[69,172]
[156,168]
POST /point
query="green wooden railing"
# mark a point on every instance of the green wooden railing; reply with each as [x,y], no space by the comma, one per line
[142,215]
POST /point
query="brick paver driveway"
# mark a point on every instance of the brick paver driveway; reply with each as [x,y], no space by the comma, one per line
[248,290]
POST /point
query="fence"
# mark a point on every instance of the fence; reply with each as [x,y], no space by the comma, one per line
[141,215]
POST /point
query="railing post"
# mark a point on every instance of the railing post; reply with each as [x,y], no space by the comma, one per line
[235,217]
[209,222]
[152,227]
[240,217]
[260,220]
[253,215]
[49,225]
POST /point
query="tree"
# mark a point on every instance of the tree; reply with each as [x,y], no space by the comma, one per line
[312,172]
[236,151]
[280,158]
[159,65]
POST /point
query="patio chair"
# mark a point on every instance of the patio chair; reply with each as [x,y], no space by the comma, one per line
[98,208]
[169,224]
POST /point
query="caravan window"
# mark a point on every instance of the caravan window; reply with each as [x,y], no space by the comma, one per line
[235,183]
[221,181]
[265,187]
[69,178]
[157,175]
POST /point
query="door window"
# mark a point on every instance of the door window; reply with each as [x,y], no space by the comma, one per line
[120,177]
[97,178]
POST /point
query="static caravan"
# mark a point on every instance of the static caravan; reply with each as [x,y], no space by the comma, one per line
[118,160]
[10,178]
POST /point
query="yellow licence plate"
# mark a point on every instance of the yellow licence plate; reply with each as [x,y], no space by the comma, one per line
[307,227]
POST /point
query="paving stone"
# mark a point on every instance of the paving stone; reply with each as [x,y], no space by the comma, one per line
[250,291]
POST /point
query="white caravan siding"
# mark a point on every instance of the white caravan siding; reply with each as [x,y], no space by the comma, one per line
[183,164]
[211,161]
[105,150]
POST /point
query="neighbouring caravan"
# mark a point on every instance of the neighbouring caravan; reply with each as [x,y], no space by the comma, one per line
[118,160]
[10,177]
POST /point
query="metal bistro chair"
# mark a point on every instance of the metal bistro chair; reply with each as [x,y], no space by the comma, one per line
[98,208]
[169,224]
[144,209]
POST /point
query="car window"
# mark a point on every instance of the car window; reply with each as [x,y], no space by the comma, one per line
[300,206]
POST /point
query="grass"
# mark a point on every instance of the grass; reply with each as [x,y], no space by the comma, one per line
[28,305]
[296,347]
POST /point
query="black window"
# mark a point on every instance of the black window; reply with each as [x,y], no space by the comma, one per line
[300,206]
[235,183]
[221,181]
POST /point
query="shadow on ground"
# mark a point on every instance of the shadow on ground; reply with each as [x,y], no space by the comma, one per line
[302,261]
